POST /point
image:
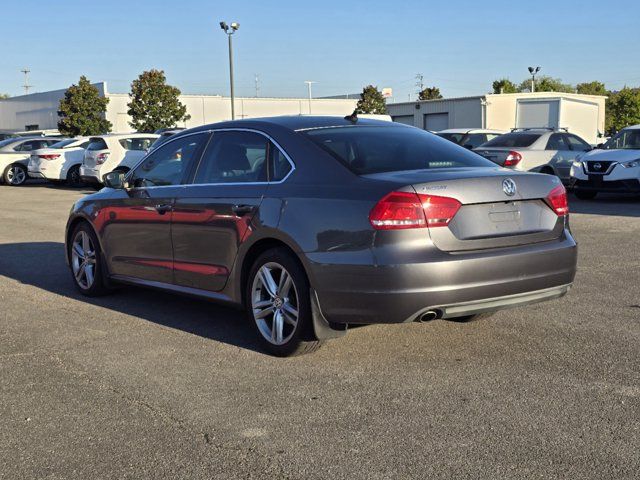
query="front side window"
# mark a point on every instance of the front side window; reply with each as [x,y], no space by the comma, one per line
[234,157]
[365,150]
[626,139]
[577,144]
[168,164]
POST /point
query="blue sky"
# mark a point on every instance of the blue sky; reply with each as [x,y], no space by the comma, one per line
[460,46]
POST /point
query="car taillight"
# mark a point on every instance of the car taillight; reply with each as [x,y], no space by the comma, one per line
[101,158]
[51,156]
[557,200]
[513,158]
[401,210]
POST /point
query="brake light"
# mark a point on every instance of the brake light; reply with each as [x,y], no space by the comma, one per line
[101,158]
[49,156]
[557,200]
[402,210]
[513,158]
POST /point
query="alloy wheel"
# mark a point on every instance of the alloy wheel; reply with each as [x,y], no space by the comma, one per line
[274,302]
[83,260]
[16,175]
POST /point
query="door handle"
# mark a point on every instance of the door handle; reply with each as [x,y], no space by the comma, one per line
[240,210]
[163,208]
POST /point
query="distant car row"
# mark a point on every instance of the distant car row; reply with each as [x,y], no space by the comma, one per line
[611,167]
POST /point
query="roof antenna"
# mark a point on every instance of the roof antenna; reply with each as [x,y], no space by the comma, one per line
[353,118]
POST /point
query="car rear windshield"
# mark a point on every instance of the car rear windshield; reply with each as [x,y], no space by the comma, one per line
[452,137]
[97,144]
[369,149]
[513,140]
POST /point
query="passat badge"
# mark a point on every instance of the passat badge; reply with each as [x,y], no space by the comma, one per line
[509,187]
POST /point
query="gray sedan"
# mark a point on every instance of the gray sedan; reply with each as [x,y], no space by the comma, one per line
[313,224]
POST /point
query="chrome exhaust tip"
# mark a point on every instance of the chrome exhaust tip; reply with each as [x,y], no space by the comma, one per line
[428,316]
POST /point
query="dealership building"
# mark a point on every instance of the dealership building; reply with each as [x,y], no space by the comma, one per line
[39,111]
[580,114]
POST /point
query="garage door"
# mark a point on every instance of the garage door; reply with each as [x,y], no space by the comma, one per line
[406,119]
[436,121]
[537,113]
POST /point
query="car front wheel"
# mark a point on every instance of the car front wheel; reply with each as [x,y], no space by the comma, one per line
[279,306]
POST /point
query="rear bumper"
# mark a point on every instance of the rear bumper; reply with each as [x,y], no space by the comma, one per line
[613,186]
[90,175]
[453,284]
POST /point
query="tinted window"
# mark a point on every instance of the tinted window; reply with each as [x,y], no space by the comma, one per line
[167,164]
[556,142]
[7,141]
[280,166]
[626,139]
[97,144]
[136,143]
[475,139]
[234,157]
[63,143]
[576,143]
[30,145]
[515,139]
[384,149]
[452,137]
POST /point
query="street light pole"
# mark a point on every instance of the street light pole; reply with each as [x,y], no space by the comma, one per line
[309,82]
[230,30]
[533,72]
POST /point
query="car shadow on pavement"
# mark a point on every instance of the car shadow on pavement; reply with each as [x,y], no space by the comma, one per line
[42,265]
[607,204]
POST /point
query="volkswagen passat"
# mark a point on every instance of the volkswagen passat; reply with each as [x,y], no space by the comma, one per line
[316,223]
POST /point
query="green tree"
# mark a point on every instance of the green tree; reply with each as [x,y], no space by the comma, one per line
[623,109]
[82,111]
[504,85]
[429,93]
[4,95]
[371,101]
[592,88]
[547,84]
[154,104]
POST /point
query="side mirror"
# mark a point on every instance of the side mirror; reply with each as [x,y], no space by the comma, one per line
[114,180]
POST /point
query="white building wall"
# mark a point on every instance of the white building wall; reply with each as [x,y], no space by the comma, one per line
[42,109]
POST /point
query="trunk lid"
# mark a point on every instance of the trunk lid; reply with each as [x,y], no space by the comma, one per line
[489,217]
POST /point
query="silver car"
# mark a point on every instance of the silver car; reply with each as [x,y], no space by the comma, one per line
[544,150]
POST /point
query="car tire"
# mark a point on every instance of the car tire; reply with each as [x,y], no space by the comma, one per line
[585,194]
[73,177]
[15,175]
[278,304]
[85,262]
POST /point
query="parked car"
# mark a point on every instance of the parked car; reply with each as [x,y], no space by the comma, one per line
[469,137]
[544,150]
[60,162]
[14,157]
[106,153]
[165,135]
[316,223]
[614,167]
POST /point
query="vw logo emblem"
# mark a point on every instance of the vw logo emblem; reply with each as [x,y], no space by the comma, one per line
[509,187]
[597,166]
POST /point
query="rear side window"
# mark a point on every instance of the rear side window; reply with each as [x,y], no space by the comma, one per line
[234,157]
[280,166]
[556,142]
[367,150]
[474,140]
[97,144]
[142,144]
[515,139]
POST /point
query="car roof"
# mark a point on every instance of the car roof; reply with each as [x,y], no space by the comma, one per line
[470,130]
[632,127]
[299,122]
[126,135]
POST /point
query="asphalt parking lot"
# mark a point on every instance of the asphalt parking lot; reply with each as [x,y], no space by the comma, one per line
[143,384]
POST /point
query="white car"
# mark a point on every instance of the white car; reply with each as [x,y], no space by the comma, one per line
[544,150]
[469,137]
[612,168]
[60,162]
[106,153]
[14,157]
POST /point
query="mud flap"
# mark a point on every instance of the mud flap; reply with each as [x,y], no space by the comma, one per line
[322,328]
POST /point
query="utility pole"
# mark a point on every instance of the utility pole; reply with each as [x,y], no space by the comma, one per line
[230,30]
[420,82]
[309,82]
[26,85]
[257,85]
